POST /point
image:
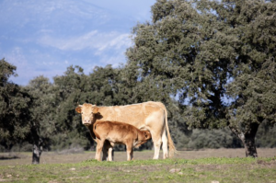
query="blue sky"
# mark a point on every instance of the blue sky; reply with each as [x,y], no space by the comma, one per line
[47,36]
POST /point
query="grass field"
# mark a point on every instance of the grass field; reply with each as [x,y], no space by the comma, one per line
[212,166]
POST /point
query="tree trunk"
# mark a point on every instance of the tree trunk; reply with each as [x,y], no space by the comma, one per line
[250,147]
[248,139]
[37,150]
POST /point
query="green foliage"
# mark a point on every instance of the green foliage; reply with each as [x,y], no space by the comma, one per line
[103,83]
[14,108]
[210,139]
[42,123]
[69,89]
[266,136]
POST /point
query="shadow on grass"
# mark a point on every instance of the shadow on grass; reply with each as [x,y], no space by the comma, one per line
[9,157]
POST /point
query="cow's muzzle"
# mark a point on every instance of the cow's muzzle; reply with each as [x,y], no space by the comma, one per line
[86,122]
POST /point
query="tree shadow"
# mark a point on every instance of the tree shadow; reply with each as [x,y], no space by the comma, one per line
[9,157]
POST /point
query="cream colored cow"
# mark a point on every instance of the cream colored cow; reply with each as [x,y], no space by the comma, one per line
[150,116]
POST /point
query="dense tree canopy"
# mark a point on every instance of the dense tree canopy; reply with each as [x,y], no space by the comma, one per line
[42,124]
[14,108]
[217,56]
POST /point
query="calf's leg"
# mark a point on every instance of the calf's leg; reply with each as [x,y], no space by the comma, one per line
[129,147]
[99,148]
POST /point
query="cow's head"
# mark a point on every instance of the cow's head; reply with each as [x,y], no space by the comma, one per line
[88,112]
[143,137]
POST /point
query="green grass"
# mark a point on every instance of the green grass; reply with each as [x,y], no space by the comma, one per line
[170,170]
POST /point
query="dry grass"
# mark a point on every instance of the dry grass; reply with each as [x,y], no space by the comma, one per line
[53,157]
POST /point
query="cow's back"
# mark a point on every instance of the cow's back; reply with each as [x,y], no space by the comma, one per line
[135,114]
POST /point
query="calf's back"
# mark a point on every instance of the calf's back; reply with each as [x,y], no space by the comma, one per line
[122,133]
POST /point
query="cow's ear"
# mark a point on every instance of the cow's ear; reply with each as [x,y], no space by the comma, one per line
[78,109]
[95,110]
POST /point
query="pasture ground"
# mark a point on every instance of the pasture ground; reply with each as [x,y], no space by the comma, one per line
[211,165]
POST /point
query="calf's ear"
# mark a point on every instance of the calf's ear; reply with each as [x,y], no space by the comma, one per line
[147,134]
[78,109]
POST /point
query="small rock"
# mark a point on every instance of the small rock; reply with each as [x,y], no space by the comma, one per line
[174,170]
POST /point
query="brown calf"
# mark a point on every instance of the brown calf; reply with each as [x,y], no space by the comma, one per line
[119,133]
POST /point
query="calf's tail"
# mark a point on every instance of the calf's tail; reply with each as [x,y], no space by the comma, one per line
[94,130]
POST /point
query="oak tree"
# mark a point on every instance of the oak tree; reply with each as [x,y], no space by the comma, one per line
[217,58]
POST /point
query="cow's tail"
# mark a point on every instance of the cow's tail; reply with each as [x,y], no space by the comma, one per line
[172,149]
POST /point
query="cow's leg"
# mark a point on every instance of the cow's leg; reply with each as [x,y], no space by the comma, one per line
[99,148]
[107,151]
[105,154]
[165,145]
[110,154]
[156,125]
[157,141]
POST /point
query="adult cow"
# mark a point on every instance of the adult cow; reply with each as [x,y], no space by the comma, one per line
[150,115]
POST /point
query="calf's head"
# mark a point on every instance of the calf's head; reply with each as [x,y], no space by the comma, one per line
[88,112]
[143,137]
